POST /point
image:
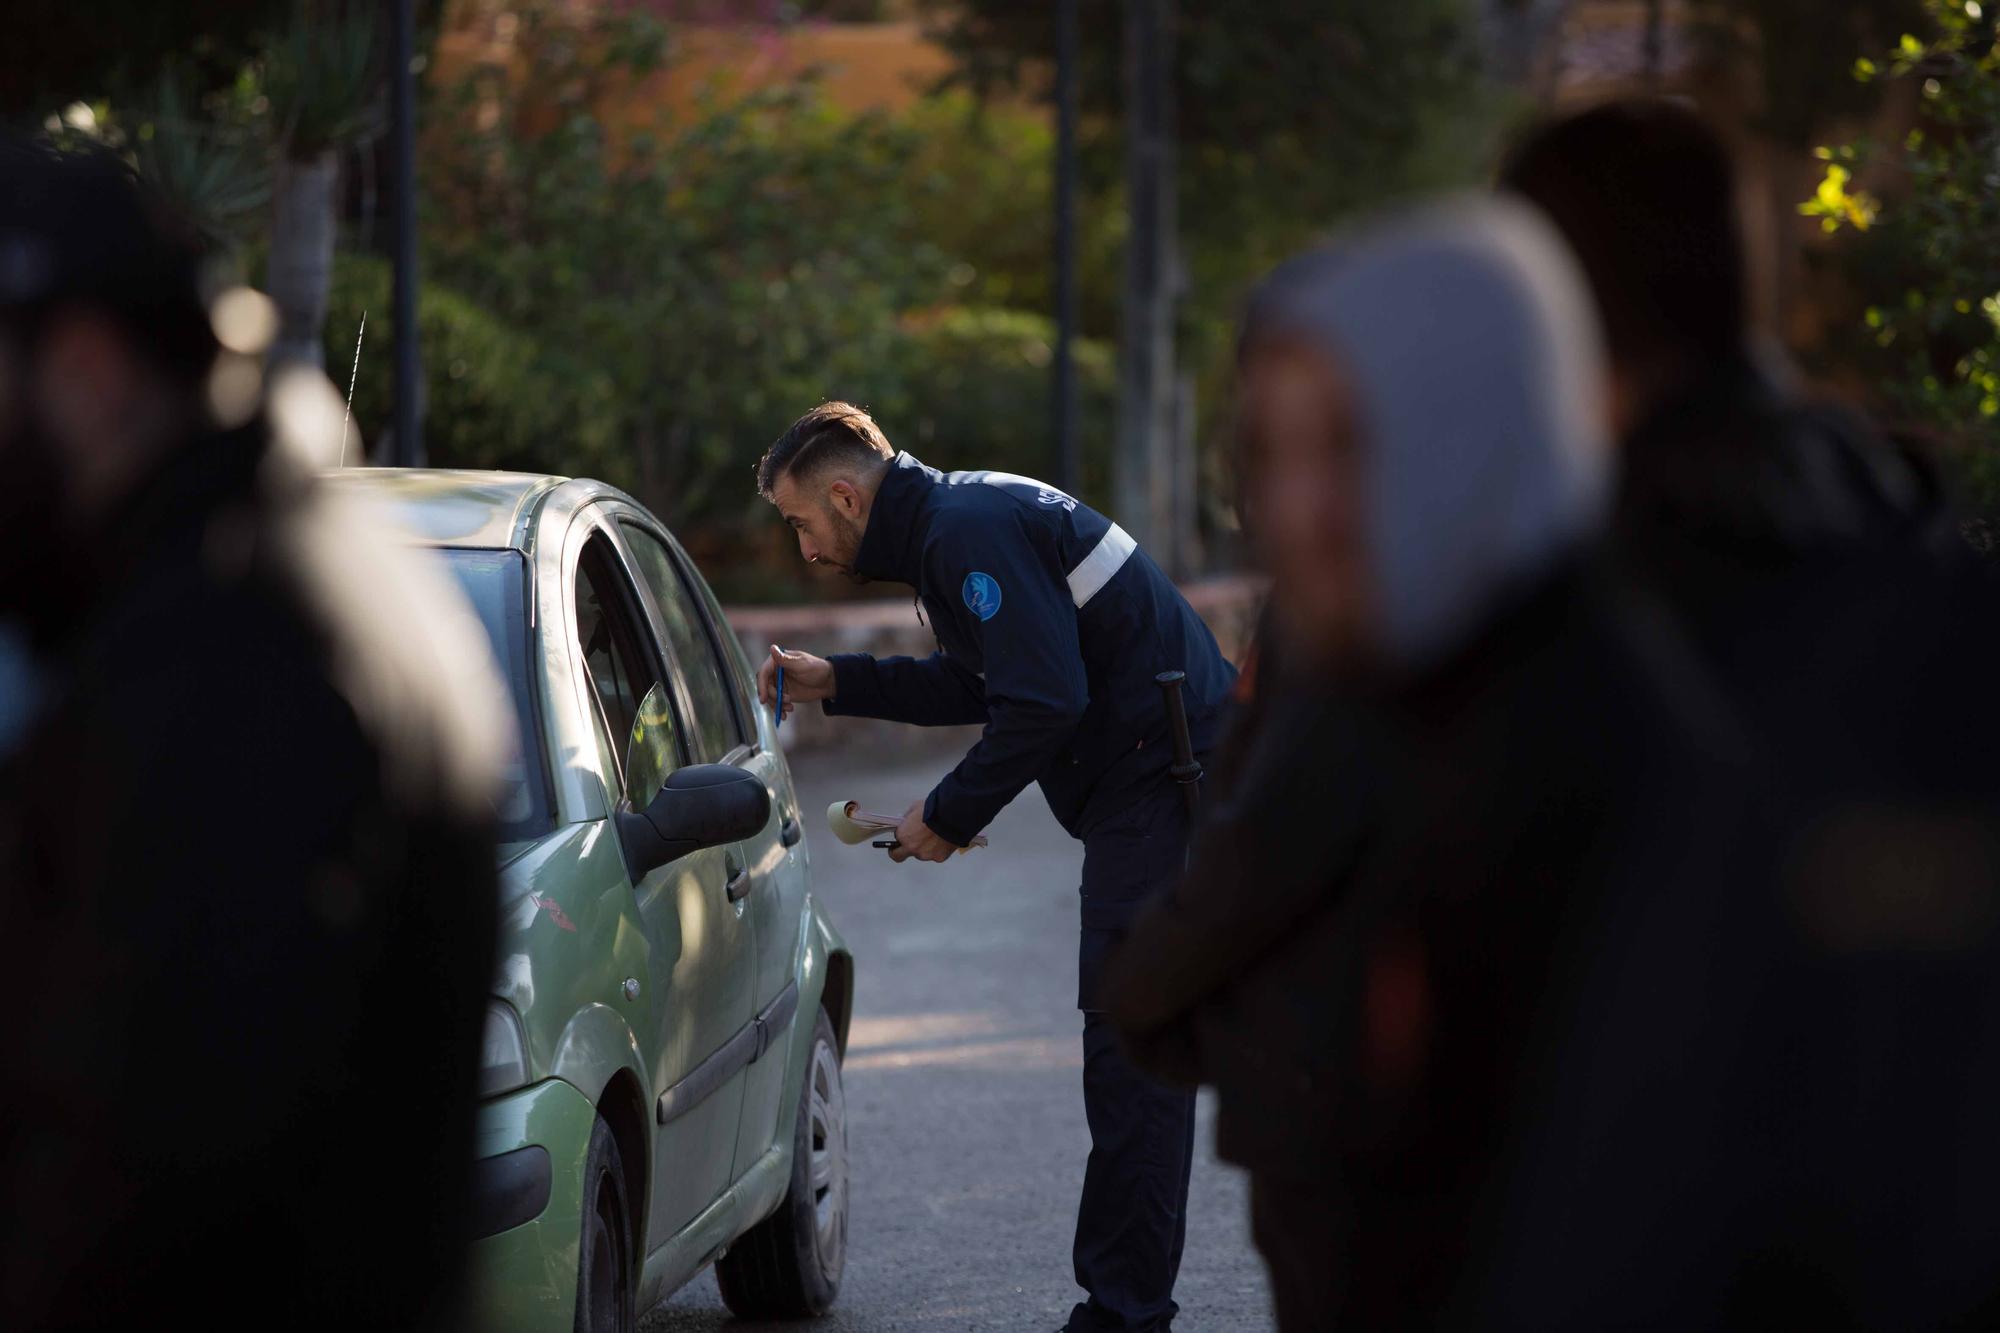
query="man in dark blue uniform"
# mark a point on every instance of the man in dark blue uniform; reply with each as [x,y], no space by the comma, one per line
[1051,625]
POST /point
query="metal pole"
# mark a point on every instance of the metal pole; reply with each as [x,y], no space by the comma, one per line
[1183,552]
[1142,485]
[403,172]
[1069,458]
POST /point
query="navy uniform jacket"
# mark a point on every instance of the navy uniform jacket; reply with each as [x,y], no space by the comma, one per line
[1051,625]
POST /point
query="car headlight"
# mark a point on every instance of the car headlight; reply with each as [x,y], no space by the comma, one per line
[503,1053]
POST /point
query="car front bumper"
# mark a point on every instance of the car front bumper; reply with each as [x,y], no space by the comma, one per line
[527,1201]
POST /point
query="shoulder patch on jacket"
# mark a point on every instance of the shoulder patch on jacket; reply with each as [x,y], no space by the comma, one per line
[982,594]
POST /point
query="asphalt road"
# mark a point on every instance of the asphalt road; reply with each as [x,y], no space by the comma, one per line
[963,1075]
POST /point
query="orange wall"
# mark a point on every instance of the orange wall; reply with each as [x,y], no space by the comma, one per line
[861,66]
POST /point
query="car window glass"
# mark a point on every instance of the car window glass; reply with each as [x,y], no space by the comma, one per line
[494,584]
[651,756]
[735,665]
[715,728]
[621,672]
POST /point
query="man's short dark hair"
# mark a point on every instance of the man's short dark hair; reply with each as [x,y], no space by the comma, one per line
[1645,193]
[831,433]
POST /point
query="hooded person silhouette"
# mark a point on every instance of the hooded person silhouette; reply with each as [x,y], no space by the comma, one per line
[1476,733]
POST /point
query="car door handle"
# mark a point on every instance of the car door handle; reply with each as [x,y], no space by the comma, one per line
[738,887]
[790,832]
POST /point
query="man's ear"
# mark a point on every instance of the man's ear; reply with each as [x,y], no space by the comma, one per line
[845,497]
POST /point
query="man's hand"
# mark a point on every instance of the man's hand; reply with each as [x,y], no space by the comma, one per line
[807,678]
[914,836]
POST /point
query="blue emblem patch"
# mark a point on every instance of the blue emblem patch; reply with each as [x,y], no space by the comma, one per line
[982,595]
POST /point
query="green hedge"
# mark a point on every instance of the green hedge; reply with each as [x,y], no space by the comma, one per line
[961,389]
[494,396]
[972,390]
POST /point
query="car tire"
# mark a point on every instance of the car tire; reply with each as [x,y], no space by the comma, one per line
[604,1267]
[788,1266]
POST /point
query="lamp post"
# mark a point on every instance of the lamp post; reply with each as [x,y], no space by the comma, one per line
[1069,461]
[1143,483]
[409,442]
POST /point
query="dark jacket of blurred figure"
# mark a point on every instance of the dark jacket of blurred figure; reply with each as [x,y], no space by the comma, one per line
[246,868]
[1771,1100]
[1445,787]
[1804,1096]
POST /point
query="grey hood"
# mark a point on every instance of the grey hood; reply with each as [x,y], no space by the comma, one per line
[1469,338]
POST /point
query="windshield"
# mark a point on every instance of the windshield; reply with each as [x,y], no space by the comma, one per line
[493,582]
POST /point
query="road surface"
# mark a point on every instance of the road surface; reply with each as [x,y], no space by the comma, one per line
[963,1085]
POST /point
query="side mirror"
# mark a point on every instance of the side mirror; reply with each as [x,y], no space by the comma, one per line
[703,805]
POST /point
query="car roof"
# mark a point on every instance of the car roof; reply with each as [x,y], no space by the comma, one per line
[439,507]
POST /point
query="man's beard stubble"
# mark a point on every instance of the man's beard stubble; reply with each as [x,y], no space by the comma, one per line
[850,550]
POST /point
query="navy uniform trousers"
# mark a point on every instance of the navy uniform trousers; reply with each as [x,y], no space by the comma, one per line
[1132,1221]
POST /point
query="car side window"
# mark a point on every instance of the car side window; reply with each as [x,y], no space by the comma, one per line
[715,728]
[735,665]
[624,682]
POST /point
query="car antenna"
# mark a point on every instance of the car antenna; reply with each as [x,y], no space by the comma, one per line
[352,376]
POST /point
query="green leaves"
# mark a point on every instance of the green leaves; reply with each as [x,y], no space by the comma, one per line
[1928,268]
[495,396]
[1801,55]
[1835,205]
[721,271]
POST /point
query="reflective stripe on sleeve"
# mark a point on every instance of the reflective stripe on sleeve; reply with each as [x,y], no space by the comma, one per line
[1096,569]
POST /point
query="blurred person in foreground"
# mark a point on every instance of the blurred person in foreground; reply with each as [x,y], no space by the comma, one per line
[246,862]
[1822,1130]
[1732,476]
[1476,737]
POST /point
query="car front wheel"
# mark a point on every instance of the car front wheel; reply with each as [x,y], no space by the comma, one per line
[788,1266]
[604,1295]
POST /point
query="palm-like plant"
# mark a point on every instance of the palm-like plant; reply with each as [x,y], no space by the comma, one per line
[214,172]
[322,78]
[209,167]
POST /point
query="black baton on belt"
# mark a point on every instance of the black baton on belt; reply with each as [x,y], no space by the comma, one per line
[1186,770]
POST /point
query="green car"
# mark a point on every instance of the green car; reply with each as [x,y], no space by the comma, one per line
[661,1073]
